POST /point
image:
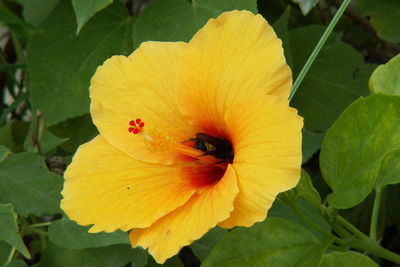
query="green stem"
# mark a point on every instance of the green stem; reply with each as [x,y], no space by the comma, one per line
[351,228]
[375,214]
[313,224]
[11,255]
[35,225]
[318,47]
[18,48]
[375,249]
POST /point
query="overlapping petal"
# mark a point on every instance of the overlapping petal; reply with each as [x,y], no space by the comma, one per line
[202,212]
[109,189]
[232,57]
[140,86]
[266,134]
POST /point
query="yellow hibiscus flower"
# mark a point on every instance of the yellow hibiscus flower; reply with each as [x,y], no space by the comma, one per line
[160,110]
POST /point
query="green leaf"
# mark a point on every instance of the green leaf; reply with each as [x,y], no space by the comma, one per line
[13,134]
[178,20]
[306,5]
[311,143]
[49,141]
[9,229]
[36,11]
[353,148]
[281,28]
[61,63]
[384,17]
[28,185]
[15,263]
[347,259]
[67,234]
[78,130]
[304,189]
[202,247]
[386,78]
[4,152]
[390,169]
[16,24]
[333,82]
[85,9]
[274,242]
[5,250]
[116,256]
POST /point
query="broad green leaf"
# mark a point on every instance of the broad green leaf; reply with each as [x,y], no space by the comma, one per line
[386,78]
[390,169]
[335,80]
[304,189]
[311,143]
[85,9]
[6,136]
[116,256]
[13,134]
[178,20]
[36,11]
[9,229]
[202,247]
[28,185]
[306,5]
[67,234]
[171,262]
[15,263]
[347,259]
[384,17]
[61,63]
[353,148]
[4,152]
[274,242]
[78,130]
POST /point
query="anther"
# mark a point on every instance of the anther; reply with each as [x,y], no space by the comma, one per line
[137,126]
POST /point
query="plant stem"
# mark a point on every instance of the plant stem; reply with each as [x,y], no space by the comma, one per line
[375,249]
[40,224]
[11,255]
[318,47]
[375,214]
[351,228]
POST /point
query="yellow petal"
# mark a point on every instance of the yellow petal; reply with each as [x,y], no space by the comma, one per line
[140,86]
[202,212]
[266,135]
[109,189]
[234,56]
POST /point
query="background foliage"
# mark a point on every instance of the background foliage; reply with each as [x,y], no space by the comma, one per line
[347,202]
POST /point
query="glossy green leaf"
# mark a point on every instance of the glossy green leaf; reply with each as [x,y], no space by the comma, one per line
[85,9]
[384,17]
[35,11]
[4,152]
[311,143]
[274,242]
[281,26]
[5,250]
[116,256]
[336,79]
[9,229]
[386,78]
[347,259]
[356,144]
[67,234]
[49,141]
[306,5]
[178,20]
[202,247]
[61,63]
[28,185]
